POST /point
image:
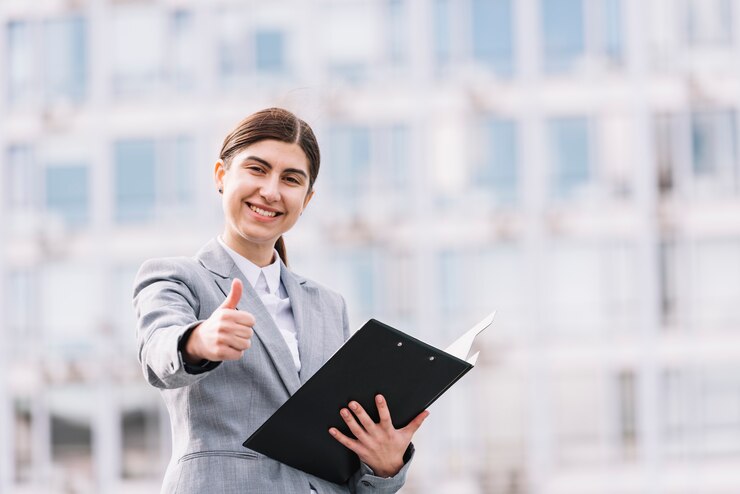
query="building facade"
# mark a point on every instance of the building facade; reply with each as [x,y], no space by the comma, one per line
[572,164]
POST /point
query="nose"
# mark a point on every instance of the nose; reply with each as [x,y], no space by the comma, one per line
[270,190]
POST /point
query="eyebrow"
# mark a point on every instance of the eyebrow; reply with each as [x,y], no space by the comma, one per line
[268,165]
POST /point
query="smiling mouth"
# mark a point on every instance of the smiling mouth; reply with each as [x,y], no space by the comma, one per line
[262,212]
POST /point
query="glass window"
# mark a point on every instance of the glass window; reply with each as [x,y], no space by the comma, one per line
[714,152]
[140,433]
[590,288]
[701,411]
[233,50]
[574,284]
[20,178]
[452,282]
[627,397]
[135,180]
[136,58]
[175,194]
[349,158]
[676,392]
[477,282]
[181,48]
[397,31]
[497,171]
[391,155]
[123,317]
[70,332]
[349,37]
[47,58]
[442,31]
[579,407]
[715,284]
[23,446]
[492,34]
[182,173]
[562,33]
[668,266]
[154,179]
[570,155]
[20,304]
[358,271]
[665,155]
[612,29]
[67,192]
[708,22]
[20,62]
[65,63]
[399,297]
[270,48]
[71,431]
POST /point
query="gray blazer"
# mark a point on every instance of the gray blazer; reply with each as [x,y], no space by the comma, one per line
[215,407]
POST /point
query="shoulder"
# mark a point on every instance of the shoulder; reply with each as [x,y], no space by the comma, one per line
[185,274]
[321,290]
[169,268]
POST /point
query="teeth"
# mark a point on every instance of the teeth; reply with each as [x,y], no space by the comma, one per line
[262,212]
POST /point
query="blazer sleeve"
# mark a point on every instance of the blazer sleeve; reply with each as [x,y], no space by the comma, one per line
[364,481]
[166,307]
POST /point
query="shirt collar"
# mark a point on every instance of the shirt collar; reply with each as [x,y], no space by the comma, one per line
[252,271]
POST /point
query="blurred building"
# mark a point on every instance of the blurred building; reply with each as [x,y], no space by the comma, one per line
[570,163]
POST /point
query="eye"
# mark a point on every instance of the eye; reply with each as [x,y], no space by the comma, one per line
[293,180]
[255,168]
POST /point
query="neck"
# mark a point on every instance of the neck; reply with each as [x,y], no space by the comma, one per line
[259,254]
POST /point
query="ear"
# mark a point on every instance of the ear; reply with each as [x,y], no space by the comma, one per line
[219,171]
[307,199]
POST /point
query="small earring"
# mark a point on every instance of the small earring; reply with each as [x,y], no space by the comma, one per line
[220,190]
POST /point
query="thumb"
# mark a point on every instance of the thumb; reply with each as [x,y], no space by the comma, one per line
[414,425]
[234,295]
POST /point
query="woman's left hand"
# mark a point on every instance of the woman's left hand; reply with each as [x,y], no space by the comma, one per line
[379,445]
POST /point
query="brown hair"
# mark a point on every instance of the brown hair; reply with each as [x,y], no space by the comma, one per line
[279,125]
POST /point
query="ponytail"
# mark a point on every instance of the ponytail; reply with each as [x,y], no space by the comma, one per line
[280,248]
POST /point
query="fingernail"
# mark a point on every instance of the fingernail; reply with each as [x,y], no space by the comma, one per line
[344,413]
[333,432]
[353,405]
[379,399]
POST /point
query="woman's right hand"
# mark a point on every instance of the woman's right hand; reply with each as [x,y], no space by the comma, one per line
[225,335]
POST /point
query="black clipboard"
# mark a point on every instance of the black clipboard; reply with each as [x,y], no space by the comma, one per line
[377,359]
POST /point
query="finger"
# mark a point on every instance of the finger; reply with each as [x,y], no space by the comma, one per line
[228,353]
[416,423]
[242,317]
[232,300]
[242,331]
[238,343]
[347,442]
[351,422]
[383,412]
[362,416]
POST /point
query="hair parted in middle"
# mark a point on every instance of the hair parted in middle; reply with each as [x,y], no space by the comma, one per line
[280,125]
[277,124]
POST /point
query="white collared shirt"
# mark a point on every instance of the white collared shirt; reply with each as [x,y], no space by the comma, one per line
[266,282]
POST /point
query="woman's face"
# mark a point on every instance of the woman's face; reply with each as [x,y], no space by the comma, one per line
[265,189]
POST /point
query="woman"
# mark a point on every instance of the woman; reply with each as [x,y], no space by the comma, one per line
[231,333]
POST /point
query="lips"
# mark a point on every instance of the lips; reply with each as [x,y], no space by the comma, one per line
[264,211]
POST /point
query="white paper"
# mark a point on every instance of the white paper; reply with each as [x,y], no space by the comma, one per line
[473,358]
[461,347]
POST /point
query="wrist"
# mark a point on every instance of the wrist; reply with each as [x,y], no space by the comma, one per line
[188,348]
[388,470]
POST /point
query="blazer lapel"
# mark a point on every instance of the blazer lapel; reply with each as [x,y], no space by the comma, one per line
[218,261]
[304,302]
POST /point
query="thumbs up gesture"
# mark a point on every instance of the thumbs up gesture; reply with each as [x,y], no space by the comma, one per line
[225,335]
